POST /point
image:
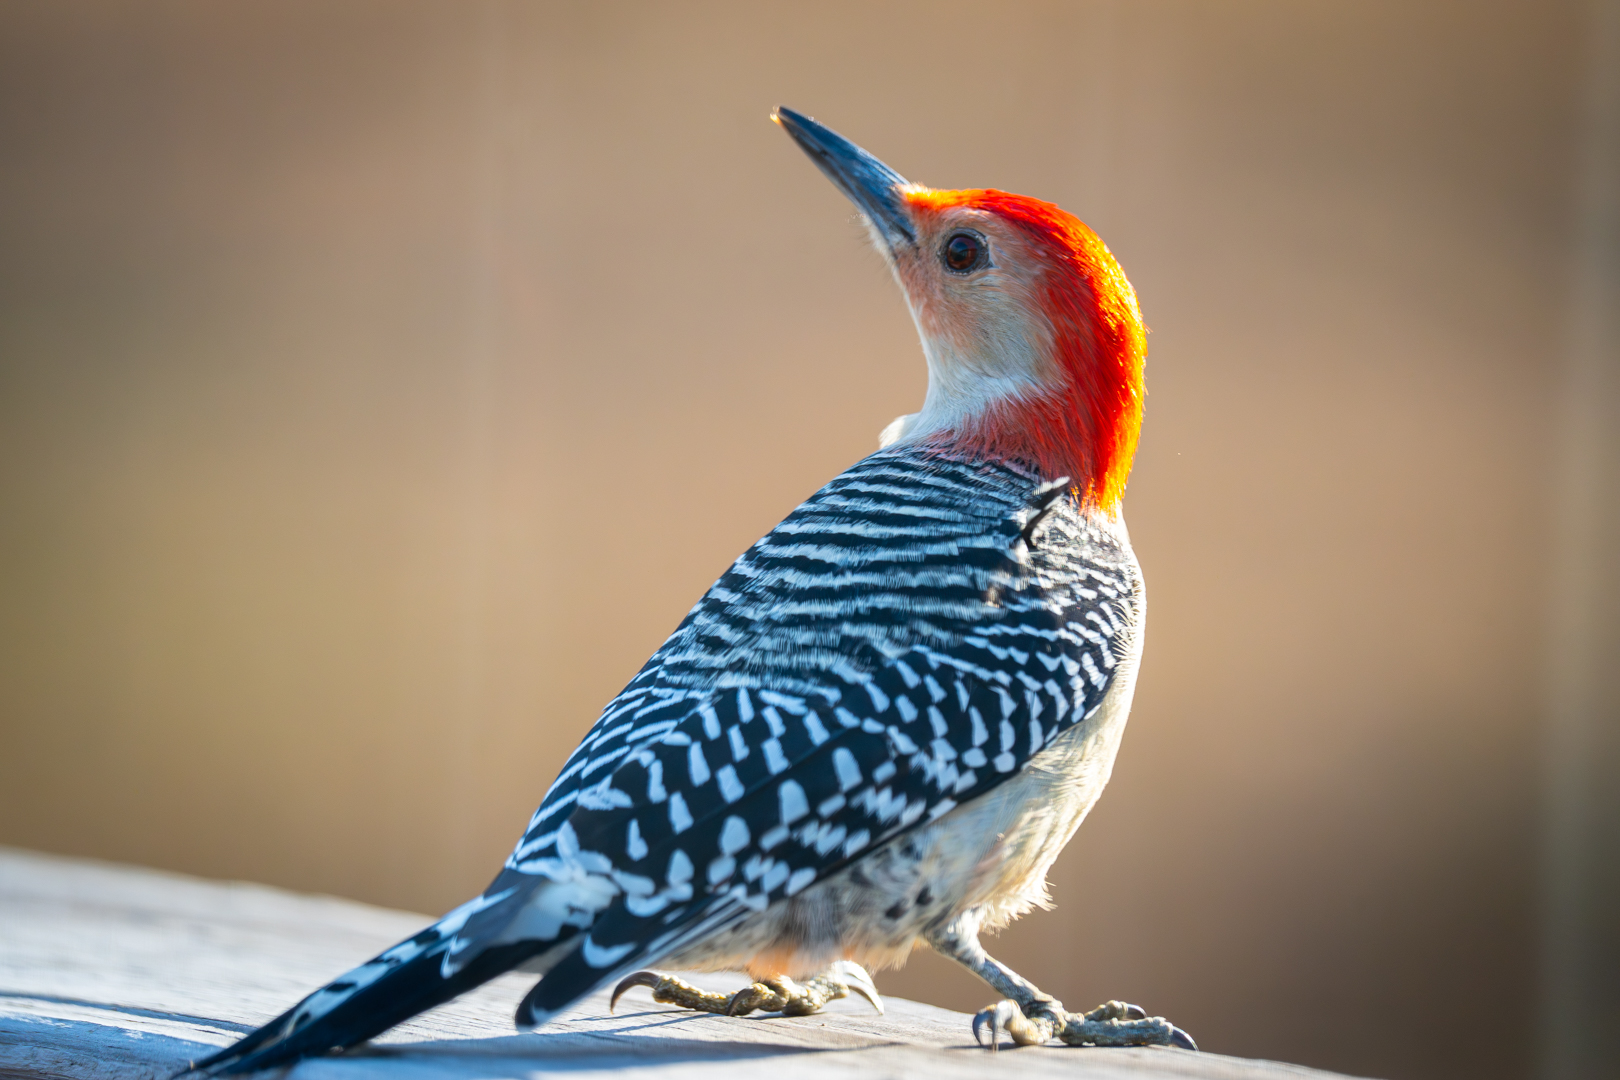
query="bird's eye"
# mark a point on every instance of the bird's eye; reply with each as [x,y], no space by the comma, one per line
[964,252]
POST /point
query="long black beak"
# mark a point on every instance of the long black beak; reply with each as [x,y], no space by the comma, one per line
[871,185]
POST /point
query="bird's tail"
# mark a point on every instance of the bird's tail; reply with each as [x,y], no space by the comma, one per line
[386,990]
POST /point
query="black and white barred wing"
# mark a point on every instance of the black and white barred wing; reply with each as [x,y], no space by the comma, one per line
[903,547]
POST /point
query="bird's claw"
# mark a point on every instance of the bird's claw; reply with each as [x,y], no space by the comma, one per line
[668,990]
[1113,1023]
[779,994]
[854,978]
[1117,1010]
[1006,1016]
[1116,1023]
[768,996]
[995,1016]
[649,979]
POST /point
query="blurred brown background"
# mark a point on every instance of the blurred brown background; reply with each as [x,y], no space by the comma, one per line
[381,382]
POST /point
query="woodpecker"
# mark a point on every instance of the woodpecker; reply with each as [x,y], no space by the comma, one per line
[881,725]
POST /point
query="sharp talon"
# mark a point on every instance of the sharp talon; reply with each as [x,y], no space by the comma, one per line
[1181,1038]
[1135,1012]
[855,978]
[997,1016]
[870,994]
[640,978]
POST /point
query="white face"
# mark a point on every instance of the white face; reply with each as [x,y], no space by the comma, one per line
[972,282]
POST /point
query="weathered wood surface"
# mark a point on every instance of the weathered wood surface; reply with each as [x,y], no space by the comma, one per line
[113,971]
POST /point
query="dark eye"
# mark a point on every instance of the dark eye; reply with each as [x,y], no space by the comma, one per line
[964,252]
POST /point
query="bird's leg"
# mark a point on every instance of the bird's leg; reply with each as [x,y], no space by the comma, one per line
[776,993]
[1031,1017]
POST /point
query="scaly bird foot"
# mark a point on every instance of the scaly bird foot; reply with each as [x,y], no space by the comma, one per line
[778,994]
[1114,1023]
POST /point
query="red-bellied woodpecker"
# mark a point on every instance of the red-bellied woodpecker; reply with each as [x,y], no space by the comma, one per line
[882,724]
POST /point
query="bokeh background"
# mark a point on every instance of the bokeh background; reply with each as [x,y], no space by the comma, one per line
[381,382]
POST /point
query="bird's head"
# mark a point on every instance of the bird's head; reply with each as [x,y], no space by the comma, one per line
[1033,338]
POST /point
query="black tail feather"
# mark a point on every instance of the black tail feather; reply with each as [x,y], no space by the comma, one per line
[411,988]
[568,980]
[245,1045]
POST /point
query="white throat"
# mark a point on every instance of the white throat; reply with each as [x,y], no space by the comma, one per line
[1001,364]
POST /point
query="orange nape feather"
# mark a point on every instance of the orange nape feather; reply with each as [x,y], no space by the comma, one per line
[1087,425]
